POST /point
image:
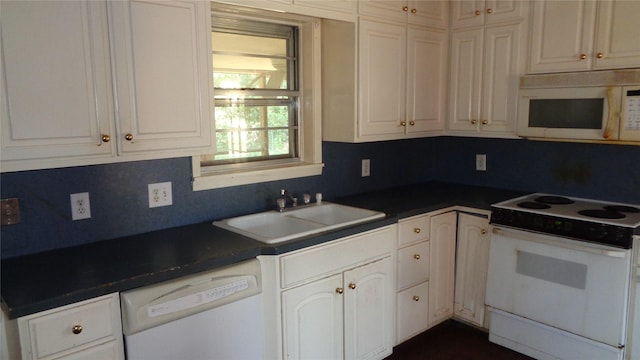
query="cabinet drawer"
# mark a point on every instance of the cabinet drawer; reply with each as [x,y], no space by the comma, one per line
[335,256]
[52,331]
[413,264]
[413,229]
[413,307]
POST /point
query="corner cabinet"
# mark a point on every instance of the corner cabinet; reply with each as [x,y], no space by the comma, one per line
[485,66]
[582,35]
[472,260]
[60,110]
[442,257]
[332,301]
[89,329]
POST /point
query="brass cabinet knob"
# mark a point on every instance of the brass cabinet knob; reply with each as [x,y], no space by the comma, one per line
[600,55]
[416,230]
[106,138]
[339,290]
[352,286]
[413,11]
[489,11]
[478,12]
[405,8]
[416,256]
[76,329]
[485,122]
[583,56]
[474,121]
[403,123]
[483,231]
[412,123]
[416,298]
[129,137]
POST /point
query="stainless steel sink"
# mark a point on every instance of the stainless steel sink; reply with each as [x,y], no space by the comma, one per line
[272,227]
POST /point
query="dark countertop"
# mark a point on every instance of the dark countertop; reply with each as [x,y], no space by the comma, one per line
[55,278]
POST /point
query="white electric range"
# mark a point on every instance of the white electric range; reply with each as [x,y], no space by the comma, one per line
[559,276]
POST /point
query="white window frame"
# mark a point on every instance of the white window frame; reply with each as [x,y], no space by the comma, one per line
[309,162]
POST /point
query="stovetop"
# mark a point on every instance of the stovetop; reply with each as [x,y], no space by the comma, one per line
[582,219]
[625,215]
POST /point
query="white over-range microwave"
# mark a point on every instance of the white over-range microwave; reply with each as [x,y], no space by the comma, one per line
[602,105]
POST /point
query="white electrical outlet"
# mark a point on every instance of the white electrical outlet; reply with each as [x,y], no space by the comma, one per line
[80,207]
[366,167]
[160,194]
[481,162]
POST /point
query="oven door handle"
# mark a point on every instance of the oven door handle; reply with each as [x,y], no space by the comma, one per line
[564,244]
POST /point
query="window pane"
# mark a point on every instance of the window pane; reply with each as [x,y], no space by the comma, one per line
[249,62]
[255,131]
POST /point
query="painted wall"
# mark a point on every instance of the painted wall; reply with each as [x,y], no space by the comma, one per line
[119,203]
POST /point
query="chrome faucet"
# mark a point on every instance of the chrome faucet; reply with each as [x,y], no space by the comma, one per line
[282,201]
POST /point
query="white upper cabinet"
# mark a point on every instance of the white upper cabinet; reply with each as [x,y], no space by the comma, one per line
[396,88]
[433,13]
[59,59]
[485,67]
[466,13]
[162,74]
[581,35]
[55,81]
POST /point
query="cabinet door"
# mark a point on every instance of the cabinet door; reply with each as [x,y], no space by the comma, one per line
[466,78]
[426,79]
[562,35]
[387,9]
[467,13]
[55,81]
[312,319]
[434,13]
[471,268]
[382,65]
[501,67]
[441,267]
[617,35]
[368,311]
[162,71]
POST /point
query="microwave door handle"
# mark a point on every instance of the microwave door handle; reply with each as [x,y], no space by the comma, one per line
[612,113]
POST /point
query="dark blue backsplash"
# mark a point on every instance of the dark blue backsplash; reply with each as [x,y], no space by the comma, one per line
[119,204]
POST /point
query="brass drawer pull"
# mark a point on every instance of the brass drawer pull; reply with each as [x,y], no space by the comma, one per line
[76,329]
[416,230]
[416,256]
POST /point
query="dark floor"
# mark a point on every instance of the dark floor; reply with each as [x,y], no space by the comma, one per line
[452,340]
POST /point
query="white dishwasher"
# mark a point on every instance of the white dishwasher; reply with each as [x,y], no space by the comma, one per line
[206,316]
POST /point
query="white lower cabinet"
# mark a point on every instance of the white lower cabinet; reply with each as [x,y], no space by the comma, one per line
[412,277]
[90,329]
[472,261]
[334,300]
[442,253]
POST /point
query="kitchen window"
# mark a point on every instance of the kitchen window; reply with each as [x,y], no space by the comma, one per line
[266,99]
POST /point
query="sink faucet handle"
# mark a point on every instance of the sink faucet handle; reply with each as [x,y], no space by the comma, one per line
[283,192]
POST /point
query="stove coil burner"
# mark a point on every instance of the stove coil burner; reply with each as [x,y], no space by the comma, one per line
[602,214]
[534,205]
[622,209]
[554,200]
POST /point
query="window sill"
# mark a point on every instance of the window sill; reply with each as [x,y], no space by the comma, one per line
[227,179]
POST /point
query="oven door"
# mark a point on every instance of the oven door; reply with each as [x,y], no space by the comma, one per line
[571,285]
